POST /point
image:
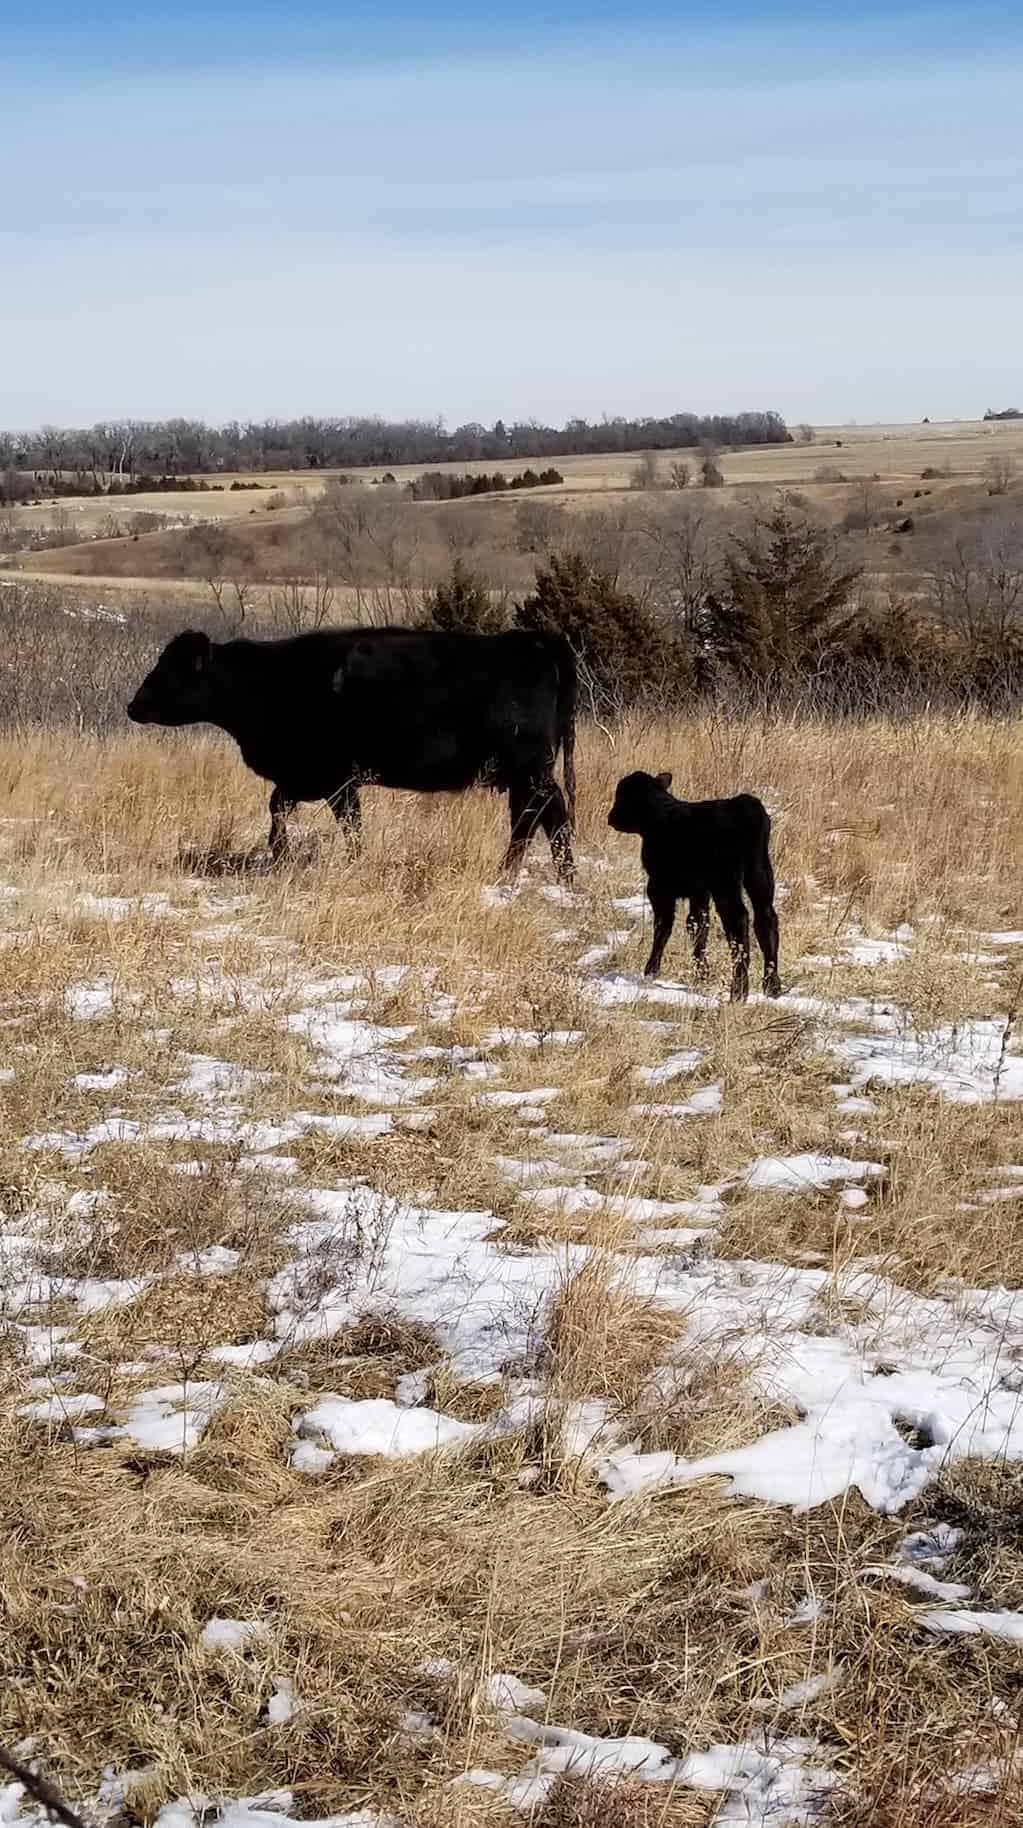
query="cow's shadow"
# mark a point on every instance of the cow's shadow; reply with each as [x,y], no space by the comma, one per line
[222,858]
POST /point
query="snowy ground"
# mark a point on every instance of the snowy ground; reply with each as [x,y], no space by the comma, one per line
[292,1218]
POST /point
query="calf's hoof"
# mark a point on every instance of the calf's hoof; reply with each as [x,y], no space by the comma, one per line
[772,984]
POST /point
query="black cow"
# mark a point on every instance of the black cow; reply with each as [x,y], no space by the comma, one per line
[703,851]
[321,714]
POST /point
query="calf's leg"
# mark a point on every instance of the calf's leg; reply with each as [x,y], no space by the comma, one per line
[663,905]
[280,807]
[347,809]
[760,889]
[698,928]
[735,921]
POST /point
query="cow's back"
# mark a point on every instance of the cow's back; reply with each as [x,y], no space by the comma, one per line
[406,708]
[436,712]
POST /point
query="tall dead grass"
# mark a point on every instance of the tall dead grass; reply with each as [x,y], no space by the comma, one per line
[635,1618]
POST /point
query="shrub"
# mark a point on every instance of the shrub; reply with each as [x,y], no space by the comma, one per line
[626,655]
[440,485]
[462,604]
[73,664]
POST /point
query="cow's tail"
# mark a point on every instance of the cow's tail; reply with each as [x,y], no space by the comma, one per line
[567,688]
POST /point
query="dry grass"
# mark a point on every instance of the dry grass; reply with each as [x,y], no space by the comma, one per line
[502,1555]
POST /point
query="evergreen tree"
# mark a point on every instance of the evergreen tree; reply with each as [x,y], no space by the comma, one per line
[462,605]
[625,654]
[785,602]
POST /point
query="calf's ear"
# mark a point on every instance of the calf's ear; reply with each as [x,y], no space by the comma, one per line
[337,684]
[664,780]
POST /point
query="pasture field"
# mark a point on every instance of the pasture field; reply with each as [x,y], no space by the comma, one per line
[447,1380]
[894,455]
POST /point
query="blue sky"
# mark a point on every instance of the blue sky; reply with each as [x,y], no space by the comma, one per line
[231,210]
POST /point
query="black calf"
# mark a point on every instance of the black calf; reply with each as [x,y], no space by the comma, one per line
[702,851]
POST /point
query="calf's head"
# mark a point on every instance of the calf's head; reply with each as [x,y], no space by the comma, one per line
[179,689]
[637,799]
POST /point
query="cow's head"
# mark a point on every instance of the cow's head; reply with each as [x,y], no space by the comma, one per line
[636,802]
[179,689]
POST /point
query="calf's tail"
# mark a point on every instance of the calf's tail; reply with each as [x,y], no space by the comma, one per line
[566,701]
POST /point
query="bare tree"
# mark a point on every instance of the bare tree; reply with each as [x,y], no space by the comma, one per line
[539,526]
[999,473]
[369,541]
[303,602]
[462,528]
[647,472]
[607,540]
[711,473]
[868,499]
[976,585]
[53,446]
[119,443]
[10,526]
[679,474]
[805,434]
[224,569]
[683,563]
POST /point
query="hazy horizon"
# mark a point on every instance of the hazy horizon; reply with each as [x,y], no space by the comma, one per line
[233,214]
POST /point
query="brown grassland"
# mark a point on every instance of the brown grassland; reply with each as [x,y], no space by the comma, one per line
[503,1554]
[272,525]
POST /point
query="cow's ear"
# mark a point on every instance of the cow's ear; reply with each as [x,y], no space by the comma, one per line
[664,780]
[198,649]
[337,684]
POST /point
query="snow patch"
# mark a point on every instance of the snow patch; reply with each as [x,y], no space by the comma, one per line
[233,1634]
[378,1426]
[804,1173]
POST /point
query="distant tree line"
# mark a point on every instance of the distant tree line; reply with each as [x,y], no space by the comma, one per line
[113,455]
[1007,412]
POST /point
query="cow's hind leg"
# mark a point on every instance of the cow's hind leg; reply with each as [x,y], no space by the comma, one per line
[554,819]
[735,921]
[346,806]
[698,928]
[759,883]
[280,807]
